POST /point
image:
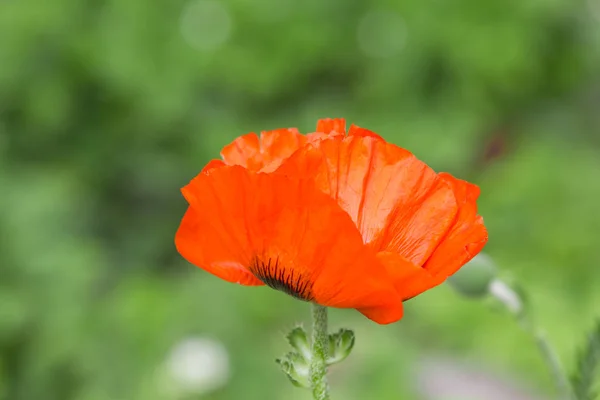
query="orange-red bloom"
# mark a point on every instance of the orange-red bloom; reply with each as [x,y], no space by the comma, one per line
[343,219]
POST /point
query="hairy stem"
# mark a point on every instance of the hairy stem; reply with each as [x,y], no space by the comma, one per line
[320,346]
[554,364]
[513,301]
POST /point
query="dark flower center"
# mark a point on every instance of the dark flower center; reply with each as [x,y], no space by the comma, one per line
[273,274]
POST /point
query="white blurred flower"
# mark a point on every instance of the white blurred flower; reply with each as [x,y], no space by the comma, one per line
[205,24]
[197,365]
[381,34]
[440,378]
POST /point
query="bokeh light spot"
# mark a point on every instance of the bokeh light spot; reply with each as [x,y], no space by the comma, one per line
[381,34]
[594,6]
[205,24]
[198,365]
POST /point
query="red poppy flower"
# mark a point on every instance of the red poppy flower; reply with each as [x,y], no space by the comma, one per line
[341,219]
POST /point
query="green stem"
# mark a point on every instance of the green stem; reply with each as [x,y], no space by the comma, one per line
[320,346]
[513,301]
[550,357]
[554,364]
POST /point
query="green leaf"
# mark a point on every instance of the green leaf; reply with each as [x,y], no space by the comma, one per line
[588,367]
[295,368]
[340,346]
[298,339]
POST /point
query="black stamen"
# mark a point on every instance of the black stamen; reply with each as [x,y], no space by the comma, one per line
[274,275]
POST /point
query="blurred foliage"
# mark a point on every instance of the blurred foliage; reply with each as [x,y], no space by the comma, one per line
[587,374]
[108,107]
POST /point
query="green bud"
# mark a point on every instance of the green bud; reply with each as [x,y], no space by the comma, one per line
[298,339]
[340,346]
[475,277]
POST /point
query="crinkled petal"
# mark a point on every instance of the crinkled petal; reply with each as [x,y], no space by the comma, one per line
[398,203]
[467,236]
[193,239]
[331,125]
[213,164]
[409,279]
[287,234]
[358,131]
[263,154]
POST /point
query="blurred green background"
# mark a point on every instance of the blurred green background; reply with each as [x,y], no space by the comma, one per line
[108,107]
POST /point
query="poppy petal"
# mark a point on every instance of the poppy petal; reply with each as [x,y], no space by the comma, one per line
[213,164]
[263,154]
[331,125]
[278,145]
[420,219]
[291,236]
[409,279]
[384,314]
[192,239]
[318,136]
[398,203]
[358,131]
[243,151]
[466,238]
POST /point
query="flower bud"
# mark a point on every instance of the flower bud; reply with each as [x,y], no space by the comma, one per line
[340,346]
[474,279]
